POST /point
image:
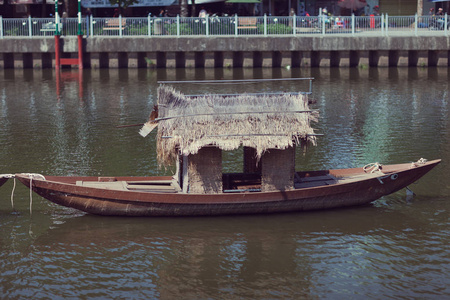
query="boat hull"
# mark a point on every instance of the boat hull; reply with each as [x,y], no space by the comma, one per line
[143,204]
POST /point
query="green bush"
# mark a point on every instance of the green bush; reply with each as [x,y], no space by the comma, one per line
[171,29]
[137,30]
[12,32]
[275,29]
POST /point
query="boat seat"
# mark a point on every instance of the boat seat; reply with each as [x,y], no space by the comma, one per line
[138,186]
[111,185]
[313,181]
[152,188]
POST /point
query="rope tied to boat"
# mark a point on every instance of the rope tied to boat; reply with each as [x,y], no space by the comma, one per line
[9,176]
[33,176]
[421,161]
[372,167]
[12,194]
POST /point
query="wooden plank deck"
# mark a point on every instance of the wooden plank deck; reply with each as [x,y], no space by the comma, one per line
[156,186]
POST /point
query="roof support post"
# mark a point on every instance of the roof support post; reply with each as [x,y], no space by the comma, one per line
[278,170]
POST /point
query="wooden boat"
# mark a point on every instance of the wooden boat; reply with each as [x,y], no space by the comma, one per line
[159,196]
[193,130]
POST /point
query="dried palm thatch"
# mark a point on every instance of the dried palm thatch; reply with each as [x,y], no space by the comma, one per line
[262,121]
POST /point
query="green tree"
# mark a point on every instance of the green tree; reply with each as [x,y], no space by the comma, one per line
[122,4]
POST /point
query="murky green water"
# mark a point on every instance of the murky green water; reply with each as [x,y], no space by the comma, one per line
[396,248]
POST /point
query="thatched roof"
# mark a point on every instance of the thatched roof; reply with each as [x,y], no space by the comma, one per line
[262,121]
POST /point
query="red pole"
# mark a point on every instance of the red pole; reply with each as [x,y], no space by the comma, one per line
[372,21]
[80,51]
[57,51]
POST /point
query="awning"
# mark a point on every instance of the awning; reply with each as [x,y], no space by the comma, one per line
[106,3]
[25,1]
[204,1]
[19,2]
[243,1]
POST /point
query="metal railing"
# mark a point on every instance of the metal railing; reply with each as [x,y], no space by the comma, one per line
[229,26]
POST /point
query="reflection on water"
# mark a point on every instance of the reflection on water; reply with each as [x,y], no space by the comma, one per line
[66,125]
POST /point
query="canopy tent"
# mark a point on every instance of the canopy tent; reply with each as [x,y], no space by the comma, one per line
[106,3]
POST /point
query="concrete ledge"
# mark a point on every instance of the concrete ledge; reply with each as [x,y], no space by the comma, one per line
[229,43]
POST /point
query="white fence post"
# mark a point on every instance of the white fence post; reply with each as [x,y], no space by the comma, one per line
[445,24]
[178,25]
[294,24]
[207,25]
[265,25]
[416,20]
[149,26]
[387,24]
[91,24]
[30,32]
[323,24]
[235,24]
[353,24]
[382,24]
[1,27]
[120,25]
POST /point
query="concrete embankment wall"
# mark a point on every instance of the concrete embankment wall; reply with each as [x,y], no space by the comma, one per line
[251,51]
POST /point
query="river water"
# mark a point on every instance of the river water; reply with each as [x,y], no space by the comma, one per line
[396,248]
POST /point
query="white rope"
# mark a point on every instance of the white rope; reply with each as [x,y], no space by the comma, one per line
[12,194]
[14,186]
[33,176]
[31,195]
[422,161]
[6,175]
[373,167]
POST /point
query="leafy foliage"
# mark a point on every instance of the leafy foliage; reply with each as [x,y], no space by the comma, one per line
[123,4]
